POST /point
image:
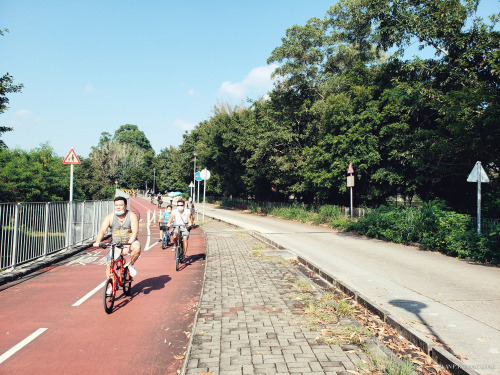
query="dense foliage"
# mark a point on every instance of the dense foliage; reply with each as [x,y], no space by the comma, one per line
[410,126]
[37,175]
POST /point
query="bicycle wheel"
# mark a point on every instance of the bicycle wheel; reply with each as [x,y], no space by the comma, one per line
[164,241]
[182,251]
[109,300]
[127,282]
[177,255]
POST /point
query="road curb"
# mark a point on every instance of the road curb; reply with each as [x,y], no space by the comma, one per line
[438,354]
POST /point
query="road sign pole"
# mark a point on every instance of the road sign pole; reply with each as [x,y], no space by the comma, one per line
[204,191]
[351,202]
[479,199]
[198,202]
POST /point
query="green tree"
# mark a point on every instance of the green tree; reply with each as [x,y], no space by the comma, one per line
[7,86]
[130,134]
[37,175]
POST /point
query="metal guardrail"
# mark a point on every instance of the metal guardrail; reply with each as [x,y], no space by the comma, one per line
[29,231]
[247,204]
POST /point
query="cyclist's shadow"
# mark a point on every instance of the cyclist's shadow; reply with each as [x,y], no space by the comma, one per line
[148,285]
[144,286]
[190,259]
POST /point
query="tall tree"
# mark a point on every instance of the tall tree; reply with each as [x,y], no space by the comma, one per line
[7,86]
[131,134]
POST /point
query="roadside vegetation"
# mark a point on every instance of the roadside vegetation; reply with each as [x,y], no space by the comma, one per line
[433,226]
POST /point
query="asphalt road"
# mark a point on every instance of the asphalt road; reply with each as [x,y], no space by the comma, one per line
[452,301]
[53,321]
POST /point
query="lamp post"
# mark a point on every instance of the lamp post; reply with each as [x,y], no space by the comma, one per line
[154,180]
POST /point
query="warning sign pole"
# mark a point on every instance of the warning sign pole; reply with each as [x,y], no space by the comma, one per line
[350,182]
[71,159]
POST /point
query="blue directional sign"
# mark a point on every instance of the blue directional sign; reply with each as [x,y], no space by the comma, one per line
[197,176]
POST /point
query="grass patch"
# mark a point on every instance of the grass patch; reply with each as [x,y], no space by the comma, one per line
[390,366]
[327,309]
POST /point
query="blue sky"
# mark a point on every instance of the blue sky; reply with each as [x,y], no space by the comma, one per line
[90,66]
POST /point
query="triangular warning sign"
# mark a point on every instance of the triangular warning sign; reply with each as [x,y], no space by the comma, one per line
[71,158]
[478,174]
[350,169]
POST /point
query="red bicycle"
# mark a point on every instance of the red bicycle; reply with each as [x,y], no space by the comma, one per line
[119,277]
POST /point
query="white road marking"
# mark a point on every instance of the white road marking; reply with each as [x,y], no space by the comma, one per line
[22,344]
[89,294]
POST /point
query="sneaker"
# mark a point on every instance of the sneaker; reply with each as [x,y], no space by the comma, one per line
[132,270]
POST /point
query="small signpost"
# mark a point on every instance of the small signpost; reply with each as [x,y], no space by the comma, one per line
[71,159]
[350,181]
[478,175]
[191,186]
[197,178]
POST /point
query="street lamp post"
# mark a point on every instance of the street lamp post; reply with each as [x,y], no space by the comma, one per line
[154,180]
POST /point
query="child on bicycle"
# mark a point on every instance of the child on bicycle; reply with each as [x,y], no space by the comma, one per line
[163,222]
[182,220]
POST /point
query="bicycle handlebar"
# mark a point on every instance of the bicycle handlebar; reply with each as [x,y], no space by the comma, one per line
[120,245]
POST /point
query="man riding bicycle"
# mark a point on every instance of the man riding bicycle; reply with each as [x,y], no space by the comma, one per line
[124,226]
[182,220]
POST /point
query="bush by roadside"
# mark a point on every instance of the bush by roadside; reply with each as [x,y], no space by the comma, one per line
[432,224]
[435,226]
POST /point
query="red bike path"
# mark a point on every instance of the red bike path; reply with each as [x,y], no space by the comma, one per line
[147,332]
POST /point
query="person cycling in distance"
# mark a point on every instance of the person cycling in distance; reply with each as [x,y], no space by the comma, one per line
[182,218]
[124,226]
[164,219]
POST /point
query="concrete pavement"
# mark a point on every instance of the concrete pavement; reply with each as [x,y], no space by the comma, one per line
[442,301]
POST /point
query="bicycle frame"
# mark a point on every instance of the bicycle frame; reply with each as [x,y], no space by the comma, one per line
[179,247]
[118,277]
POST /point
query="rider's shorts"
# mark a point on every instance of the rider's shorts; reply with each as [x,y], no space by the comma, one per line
[118,251]
[184,231]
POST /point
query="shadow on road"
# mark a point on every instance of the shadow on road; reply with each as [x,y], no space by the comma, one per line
[416,308]
[148,285]
[145,286]
[190,259]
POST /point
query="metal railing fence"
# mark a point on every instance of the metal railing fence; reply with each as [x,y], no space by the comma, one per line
[248,204]
[487,225]
[29,231]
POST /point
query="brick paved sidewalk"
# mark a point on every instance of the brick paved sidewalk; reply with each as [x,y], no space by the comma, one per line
[247,321]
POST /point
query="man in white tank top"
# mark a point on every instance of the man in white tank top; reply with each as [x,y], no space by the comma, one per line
[182,218]
[124,226]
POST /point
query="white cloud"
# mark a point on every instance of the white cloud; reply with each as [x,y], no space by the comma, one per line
[257,82]
[23,114]
[89,87]
[22,117]
[183,125]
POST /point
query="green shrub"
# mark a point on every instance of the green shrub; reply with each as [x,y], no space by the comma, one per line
[434,225]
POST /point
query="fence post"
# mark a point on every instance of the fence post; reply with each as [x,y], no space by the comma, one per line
[46,230]
[92,232]
[82,228]
[14,240]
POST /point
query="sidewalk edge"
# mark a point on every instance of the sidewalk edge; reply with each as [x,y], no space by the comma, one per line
[195,321]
